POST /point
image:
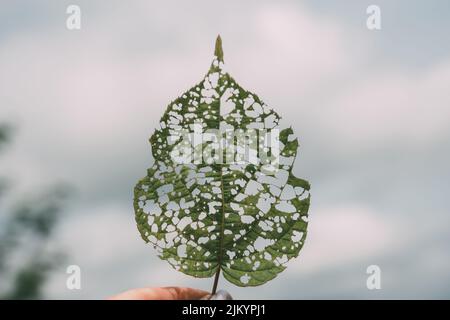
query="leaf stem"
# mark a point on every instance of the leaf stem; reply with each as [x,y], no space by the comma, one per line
[219,262]
[216,281]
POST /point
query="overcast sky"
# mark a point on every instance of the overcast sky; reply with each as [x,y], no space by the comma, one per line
[371,110]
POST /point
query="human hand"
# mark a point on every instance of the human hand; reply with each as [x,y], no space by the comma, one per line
[163,293]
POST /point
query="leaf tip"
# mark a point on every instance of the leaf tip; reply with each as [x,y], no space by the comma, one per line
[218,51]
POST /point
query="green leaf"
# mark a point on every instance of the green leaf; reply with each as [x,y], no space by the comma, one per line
[243,217]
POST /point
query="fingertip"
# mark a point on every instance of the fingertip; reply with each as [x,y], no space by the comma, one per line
[161,293]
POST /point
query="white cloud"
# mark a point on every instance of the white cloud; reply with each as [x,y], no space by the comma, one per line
[342,235]
[105,234]
[289,54]
[392,106]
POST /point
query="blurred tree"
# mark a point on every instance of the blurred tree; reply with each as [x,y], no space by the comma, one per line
[4,133]
[27,254]
[4,137]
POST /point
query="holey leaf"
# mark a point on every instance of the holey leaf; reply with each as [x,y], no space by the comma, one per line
[208,206]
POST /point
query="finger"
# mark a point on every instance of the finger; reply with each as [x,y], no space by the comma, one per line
[165,293]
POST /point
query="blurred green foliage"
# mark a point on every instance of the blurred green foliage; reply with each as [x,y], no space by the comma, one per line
[27,254]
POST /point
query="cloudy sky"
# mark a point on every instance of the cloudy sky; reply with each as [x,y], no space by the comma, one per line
[371,110]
